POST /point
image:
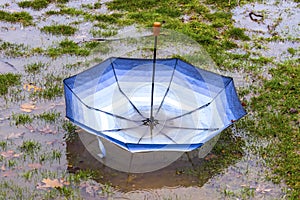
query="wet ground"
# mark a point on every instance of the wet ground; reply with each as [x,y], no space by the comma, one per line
[243,177]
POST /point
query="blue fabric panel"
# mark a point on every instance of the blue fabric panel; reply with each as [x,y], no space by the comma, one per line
[233,101]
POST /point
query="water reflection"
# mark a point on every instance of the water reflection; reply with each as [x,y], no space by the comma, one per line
[188,170]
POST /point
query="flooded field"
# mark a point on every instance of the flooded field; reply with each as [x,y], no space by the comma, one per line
[41,154]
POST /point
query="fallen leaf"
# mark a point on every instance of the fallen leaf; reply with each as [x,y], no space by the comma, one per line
[27,107]
[35,165]
[3,168]
[51,142]
[47,130]
[49,183]
[10,154]
[30,87]
[15,135]
[8,173]
[7,154]
[30,128]
[210,157]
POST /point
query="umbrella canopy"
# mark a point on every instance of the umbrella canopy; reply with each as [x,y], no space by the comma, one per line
[184,108]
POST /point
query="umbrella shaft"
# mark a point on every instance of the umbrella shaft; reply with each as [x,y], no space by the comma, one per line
[153,77]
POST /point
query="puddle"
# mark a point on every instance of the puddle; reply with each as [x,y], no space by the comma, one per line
[279,18]
[243,177]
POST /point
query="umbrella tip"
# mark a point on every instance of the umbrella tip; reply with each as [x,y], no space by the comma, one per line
[156,24]
[156,28]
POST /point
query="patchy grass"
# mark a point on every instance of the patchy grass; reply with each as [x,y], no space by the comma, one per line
[35,68]
[66,11]
[8,80]
[22,119]
[39,4]
[59,30]
[52,87]
[30,147]
[16,17]
[72,48]
[49,117]
[35,4]
[278,115]
[13,50]
[237,33]
[68,47]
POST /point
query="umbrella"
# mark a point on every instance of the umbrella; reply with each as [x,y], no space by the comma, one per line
[152,104]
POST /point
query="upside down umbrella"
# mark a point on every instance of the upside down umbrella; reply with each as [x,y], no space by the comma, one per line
[152,104]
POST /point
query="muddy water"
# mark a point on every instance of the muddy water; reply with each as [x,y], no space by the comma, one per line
[178,181]
[279,19]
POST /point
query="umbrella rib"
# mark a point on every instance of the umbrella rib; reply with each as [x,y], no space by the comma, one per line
[121,129]
[167,91]
[188,128]
[92,108]
[201,107]
[135,108]
[164,134]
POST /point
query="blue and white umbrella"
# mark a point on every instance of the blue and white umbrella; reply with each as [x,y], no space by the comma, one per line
[159,104]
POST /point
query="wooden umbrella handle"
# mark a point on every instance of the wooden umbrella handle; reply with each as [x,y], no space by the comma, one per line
[156,28]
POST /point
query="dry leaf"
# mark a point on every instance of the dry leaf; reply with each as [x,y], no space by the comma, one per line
[47,130]
[210,157]
[3,168]
[51,142]
[35,165]
[15,135]
[30,128]
[7,154]
[8,173]
[30,87]
[27,107]
[49,183]
[10,154]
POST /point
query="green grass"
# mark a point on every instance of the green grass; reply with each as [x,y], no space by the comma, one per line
[278,115]
[66,11]
[34,68]
[59,30]
[68,47]
[39,4]
[12,49]
[52,87]
[22,119]
[35,4]
[273,110]
[8,80]
[30,147]
[16,17]
[276,102]
[49,117]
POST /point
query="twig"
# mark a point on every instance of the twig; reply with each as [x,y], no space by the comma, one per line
[9,64]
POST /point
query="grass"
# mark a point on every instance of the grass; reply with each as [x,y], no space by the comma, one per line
[34,68]
[30,147]
[35,4]
[17,17]
[273,107]
[21,119]
[49,117]
[7,81]
[277,109]
[13,50]
[68,47]
[60,30]
[39,4]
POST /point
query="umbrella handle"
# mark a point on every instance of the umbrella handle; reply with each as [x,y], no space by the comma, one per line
[156,28]
[102,153]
